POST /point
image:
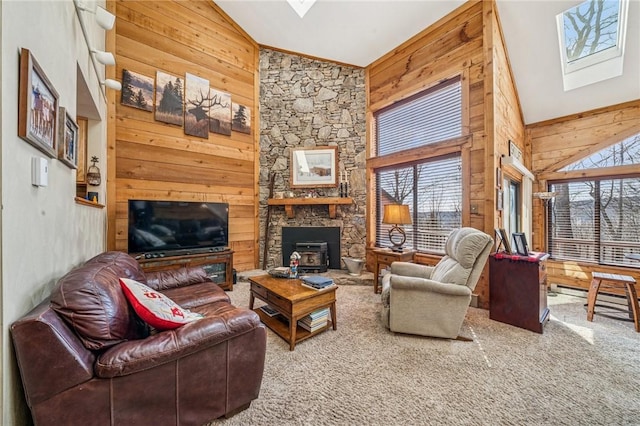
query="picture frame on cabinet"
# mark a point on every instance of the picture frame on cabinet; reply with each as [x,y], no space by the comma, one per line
[504,239]
[520,241]
[37,106]
[314,167]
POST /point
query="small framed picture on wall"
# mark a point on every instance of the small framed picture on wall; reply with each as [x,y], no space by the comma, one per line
[499,199]
[67,139]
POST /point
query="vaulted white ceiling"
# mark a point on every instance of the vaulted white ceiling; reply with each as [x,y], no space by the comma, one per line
[358,32]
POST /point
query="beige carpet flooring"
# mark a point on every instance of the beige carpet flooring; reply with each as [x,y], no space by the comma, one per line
[576,373]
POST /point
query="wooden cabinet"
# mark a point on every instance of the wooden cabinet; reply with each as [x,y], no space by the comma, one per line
[384,257]
[518,290]
[217,265]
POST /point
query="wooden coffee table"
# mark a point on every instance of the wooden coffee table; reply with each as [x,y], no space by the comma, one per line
[293,301]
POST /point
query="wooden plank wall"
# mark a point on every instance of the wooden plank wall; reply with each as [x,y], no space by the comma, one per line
[157,161]
[508,121]
[452,46]
[562,141]
[467,42]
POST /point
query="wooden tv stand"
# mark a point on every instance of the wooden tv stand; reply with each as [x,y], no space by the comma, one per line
[218,265]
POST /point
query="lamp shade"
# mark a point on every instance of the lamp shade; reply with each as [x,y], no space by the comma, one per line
[105,58]
[544,195]
[112,84]
[104,18]
[396,214]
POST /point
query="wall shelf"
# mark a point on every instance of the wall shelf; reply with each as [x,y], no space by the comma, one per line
[84,202]
[290,203]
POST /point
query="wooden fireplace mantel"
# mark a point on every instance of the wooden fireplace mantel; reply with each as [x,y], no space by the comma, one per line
[289,203]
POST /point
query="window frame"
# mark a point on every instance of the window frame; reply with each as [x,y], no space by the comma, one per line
[598,241]
[461,145]
[440,85]
[598,66]
[412,237]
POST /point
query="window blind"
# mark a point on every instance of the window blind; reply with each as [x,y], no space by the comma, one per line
[595,220]
[432,188]
[433,191]
[431,116]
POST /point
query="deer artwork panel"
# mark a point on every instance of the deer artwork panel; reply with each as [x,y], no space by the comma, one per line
[196,111]
[137,90]
[169,98]
[219,112]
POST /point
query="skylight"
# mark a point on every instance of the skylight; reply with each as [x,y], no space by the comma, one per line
[301,6]
[592,36]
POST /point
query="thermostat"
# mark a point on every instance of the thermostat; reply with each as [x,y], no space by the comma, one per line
[39,171]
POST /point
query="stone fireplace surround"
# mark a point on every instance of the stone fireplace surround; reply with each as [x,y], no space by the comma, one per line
[309,103]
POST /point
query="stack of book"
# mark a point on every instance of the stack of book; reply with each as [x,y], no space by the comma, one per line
[269,310]
[315,320]
[317,282]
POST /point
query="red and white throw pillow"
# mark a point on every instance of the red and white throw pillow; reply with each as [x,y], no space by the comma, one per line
[155,308]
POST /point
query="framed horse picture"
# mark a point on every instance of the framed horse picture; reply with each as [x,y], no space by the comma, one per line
[37,106]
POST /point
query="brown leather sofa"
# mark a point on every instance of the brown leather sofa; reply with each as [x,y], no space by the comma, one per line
[85,358]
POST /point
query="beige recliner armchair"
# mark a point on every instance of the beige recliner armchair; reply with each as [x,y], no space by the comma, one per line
[433,300]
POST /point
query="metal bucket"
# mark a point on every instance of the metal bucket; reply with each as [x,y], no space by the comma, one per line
[354,266]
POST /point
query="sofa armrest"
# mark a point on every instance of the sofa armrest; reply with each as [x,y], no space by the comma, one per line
[411,269]
[167,346]
[50,356]
[173,278]
[399,282]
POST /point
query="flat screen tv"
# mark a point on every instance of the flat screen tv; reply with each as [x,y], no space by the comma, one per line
[159,228]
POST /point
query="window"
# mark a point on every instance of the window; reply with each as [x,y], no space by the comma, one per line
[512,207]
[431,116]
[597,219]
[623,153]
[431,187]
[592,37]
[433,191]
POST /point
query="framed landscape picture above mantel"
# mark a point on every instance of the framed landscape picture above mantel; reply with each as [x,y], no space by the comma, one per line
[37,106]
[314,167]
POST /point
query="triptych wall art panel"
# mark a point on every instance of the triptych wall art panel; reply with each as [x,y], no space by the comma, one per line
[189,102]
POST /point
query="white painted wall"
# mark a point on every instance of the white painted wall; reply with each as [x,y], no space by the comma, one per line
[44,232]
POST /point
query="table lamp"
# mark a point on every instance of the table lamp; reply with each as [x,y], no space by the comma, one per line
[396,214]
[545,196]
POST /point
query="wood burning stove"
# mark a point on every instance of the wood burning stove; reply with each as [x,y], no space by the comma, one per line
[313,256]
[310,236]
